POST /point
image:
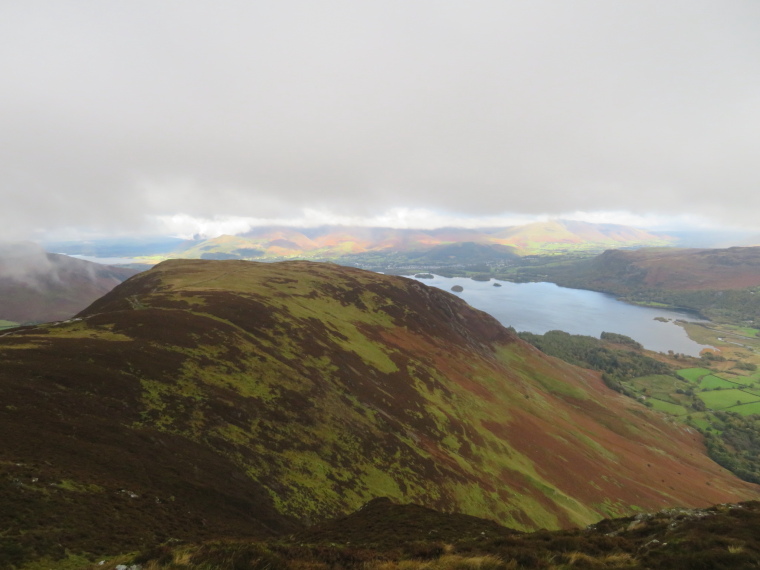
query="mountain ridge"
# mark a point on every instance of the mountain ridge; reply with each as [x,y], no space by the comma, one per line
[677,269]
[331,242]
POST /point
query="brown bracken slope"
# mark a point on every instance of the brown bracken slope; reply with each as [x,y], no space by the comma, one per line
[674,269]
[207,398]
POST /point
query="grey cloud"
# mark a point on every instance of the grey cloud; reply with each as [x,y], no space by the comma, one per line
[114,111]
[28,264]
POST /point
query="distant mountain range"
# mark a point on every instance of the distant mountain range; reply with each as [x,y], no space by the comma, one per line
[36,286]
[330,242]
[334,242]
[226,398]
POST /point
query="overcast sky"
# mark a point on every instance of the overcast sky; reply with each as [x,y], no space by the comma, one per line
[145,116]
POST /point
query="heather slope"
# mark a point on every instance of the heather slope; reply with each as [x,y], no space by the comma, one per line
[232,397]
[36,286]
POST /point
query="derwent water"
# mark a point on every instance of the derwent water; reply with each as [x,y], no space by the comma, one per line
[541,307]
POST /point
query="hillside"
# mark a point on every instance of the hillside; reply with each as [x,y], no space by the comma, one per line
[36,286]
[675,269]
[334,242]
[208,398]
[720,283]
[567,235]
[466,253]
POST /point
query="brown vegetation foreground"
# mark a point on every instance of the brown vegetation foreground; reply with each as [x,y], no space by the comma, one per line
[384,536]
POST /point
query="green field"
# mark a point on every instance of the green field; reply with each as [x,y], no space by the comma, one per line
[737,379]
[754,377]
[747,409]
[722,399]
[7,324]
[744,331]
[657,383]
[693,374]
[711,382]
[701,421]
[662,406]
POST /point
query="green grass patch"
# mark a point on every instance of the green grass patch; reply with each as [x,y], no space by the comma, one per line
[701,421]
[711,382]
[7,324]
[737,379]
[747,409]
[744,331]
[76,487]
[662,406]
[657,383]
[754,377]
[703,335]
[722,399]
[653,304]
[70,562]
[693,374]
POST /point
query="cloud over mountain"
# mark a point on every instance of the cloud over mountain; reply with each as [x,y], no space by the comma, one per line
[113,115]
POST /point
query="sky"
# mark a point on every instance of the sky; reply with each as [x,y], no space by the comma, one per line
[179,117]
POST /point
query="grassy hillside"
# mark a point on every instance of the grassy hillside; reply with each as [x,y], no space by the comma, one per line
[231,398]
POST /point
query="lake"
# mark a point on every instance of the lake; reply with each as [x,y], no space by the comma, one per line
[106,260]
[541,307]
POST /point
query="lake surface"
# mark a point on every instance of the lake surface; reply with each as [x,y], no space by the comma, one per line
[541,307]
[107,260]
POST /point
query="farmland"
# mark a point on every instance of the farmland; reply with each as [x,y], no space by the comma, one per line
[711,382]
[693,374]
[724,399]
[670,408]
[722,402]
[717,394]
